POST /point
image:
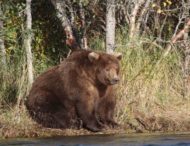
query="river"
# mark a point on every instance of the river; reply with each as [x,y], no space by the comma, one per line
[104,140]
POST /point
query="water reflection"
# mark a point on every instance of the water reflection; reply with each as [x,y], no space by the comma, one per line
[103,140]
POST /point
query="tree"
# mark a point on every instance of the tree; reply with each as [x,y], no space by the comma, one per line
[28,41]
[83,25]
[60,7]
[110,26]
[135,12]
[187,48]
[2,46]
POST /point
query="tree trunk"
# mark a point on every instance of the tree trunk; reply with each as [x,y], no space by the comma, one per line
[83,27]
[133,17]
[71,11]
[110,26]
[60,7]
[142,14]
[28,41]
[187,51]
[2,46]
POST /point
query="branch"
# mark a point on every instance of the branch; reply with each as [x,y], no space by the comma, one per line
[177,37]
[142,13]
[181,33]
[133,18]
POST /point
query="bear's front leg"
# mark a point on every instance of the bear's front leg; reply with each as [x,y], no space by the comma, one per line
[106,108]
[109,118]
[86,111]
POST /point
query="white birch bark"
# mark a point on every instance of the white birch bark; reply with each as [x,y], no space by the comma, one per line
[2,46]
[83,25]
[28,41]
[60,7]
[133,17]
[110,26]
[187,50]
[142,13]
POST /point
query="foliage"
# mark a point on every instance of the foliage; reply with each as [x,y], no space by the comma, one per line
[151,81]
[151,92]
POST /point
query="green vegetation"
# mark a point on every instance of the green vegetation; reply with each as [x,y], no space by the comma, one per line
[150,95]
[152,92]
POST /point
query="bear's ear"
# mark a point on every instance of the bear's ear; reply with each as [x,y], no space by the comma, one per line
[118,55]
[93,56]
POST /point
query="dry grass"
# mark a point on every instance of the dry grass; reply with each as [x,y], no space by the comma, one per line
[17,123]
[151,94]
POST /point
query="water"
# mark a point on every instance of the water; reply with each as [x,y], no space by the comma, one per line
[104,140]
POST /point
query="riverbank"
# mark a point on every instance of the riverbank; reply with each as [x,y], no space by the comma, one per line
[152,96]
[16,123]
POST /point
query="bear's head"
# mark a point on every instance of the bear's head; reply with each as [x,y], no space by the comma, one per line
[107,71]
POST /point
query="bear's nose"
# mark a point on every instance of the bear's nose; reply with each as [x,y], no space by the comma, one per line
[115,80]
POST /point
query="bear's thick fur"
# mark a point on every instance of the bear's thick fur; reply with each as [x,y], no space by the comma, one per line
[77,92]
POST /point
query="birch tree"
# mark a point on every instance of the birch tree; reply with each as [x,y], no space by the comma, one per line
[83,26]
[2,46]
[186,6]
[28,41]
[136,16]
[60,7]
[110,26]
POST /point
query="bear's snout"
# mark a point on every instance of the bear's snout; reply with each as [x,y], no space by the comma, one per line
[115,80]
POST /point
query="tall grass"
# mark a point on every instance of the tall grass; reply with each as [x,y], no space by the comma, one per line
[10,77]
[151,92]
[14,119]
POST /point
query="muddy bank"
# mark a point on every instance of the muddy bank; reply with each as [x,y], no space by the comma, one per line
[38,131]
[136,126]
[17,123]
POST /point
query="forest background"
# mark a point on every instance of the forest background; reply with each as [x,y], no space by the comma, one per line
[152,35]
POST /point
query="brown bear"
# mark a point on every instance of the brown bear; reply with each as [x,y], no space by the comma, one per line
[78,91]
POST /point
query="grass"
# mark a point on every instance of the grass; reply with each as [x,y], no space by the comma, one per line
[150,94]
